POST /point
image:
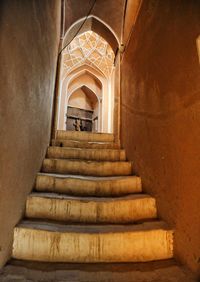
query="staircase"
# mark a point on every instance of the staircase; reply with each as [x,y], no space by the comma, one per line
[88,207]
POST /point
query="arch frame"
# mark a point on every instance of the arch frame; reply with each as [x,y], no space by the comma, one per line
[102,77]
[98,100]
[89,24]
[63,96]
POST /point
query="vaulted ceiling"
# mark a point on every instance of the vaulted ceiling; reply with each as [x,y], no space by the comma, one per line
[89,49]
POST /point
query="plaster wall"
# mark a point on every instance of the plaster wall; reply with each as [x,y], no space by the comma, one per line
[160,114]
[29,40]
[132,10]
[88,80]
[96,110]
[116,98]
[80,100]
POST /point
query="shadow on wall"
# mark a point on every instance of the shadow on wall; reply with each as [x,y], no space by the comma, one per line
[28,29]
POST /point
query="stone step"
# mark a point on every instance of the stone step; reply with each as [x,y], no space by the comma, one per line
[126,209]
[91,168]
[88,186]
[84,136]
[51,242]
[86,154]
[84,144]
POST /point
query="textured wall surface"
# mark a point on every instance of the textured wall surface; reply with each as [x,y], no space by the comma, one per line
[29,45]
[109,11]
[160,107]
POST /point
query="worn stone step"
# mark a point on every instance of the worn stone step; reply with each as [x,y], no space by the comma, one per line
[84,136]
[92,168]
[51,242]
[84,144]
[126,209]
[86,154]
[88,186]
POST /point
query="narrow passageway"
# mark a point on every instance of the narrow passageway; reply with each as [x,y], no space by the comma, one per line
[86,85]
[84,206]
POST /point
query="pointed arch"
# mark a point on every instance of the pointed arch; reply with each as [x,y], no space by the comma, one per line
[84,88]
[95,24]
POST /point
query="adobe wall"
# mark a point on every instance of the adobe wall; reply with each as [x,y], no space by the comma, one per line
[160,108]
[29,40]
[109,11]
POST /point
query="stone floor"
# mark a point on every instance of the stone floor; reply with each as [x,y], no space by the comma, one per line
[164,271]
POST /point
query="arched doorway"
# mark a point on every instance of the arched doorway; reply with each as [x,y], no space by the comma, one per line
[89,61]
[77,79]
[83,110]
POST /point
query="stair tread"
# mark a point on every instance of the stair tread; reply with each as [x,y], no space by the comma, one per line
[79,141]
[83,133]
[85,144]
[87,177]
[92,228]
[84,199]
[87,149]
[88,161]
[85,136]
[113,155]
[88,185]
[87,167]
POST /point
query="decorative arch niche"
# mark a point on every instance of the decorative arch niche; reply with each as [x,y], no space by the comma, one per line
[83,109]
[80,78]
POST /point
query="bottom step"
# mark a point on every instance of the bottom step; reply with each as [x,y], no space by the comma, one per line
[52,242]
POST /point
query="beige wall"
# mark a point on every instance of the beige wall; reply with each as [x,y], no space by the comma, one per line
[160,110]
[88,80]
[80,100]
[132,10]
[29,44]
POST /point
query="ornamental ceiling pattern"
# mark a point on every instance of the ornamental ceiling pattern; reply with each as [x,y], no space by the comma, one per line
[91,49]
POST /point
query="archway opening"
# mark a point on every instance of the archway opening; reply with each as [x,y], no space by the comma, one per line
[87,65]
[83,110]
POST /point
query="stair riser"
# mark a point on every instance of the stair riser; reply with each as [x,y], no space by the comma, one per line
[87,168]
[67,210]
[73,186]
[85,145]
[84,136]
[97,155]
[136,246]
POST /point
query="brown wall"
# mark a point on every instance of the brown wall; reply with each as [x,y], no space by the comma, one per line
[29,44]
[160,107]
[110,11]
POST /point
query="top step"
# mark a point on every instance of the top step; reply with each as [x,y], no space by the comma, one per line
[84,144]
[84,136]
